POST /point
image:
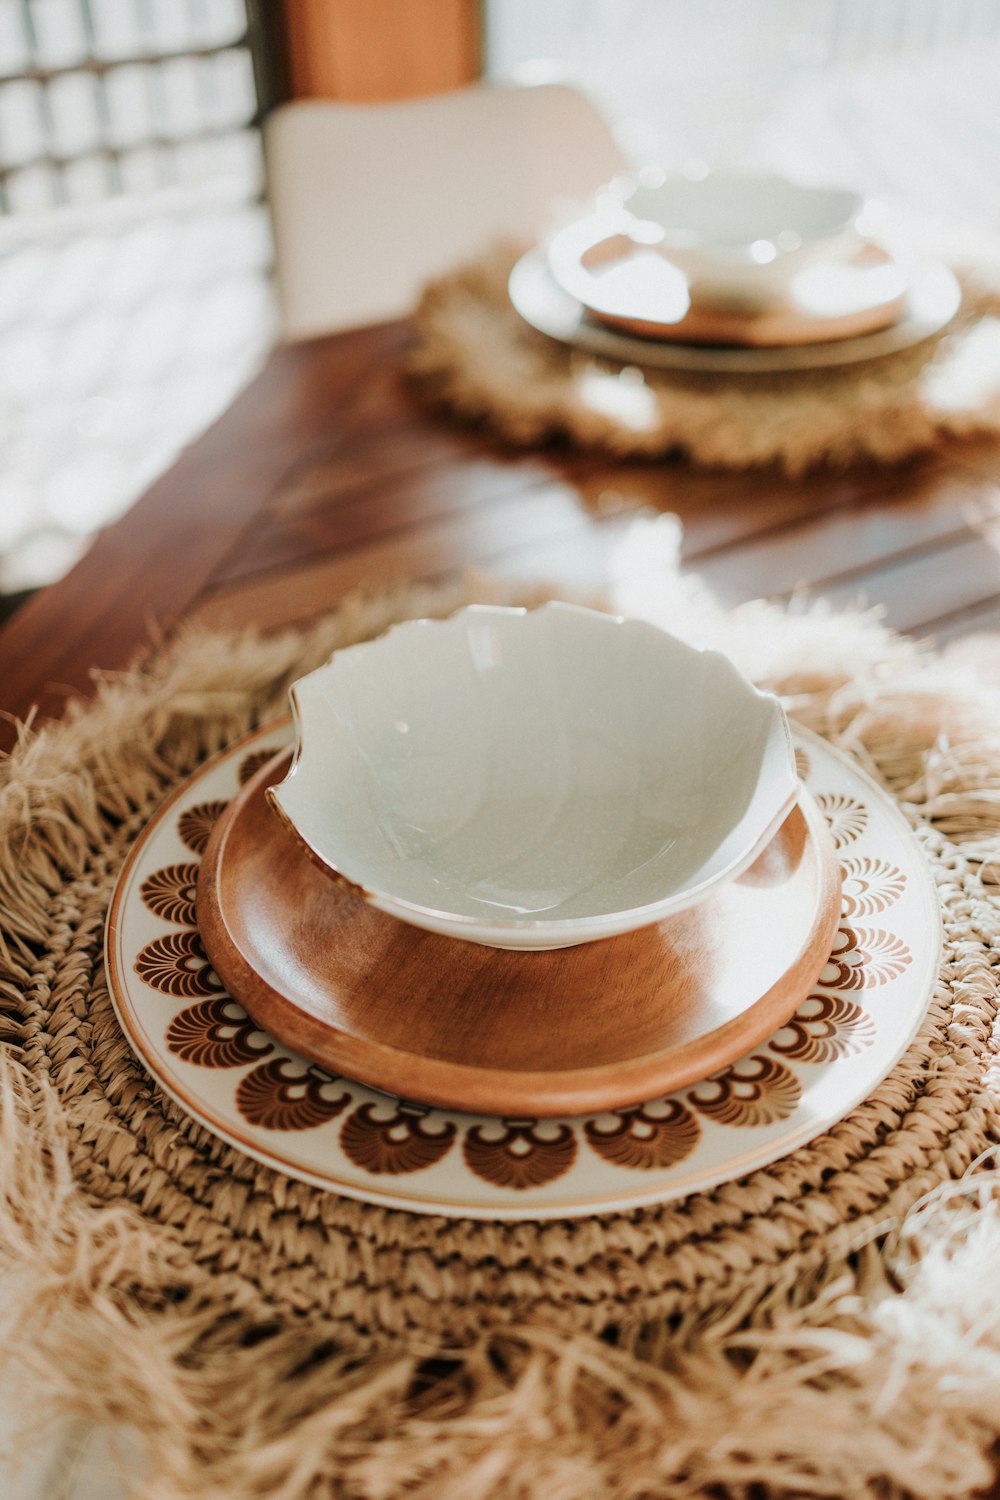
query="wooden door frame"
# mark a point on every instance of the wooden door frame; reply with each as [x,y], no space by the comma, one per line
[364,51]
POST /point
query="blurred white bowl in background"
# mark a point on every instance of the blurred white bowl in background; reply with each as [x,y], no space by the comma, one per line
[737,236]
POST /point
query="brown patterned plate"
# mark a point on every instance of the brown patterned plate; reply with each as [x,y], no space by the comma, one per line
[452,1024]
[616,281]
[932,299]
[204,1051]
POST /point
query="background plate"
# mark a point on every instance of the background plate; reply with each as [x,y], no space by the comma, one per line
[933,299]
[294,1116]
[635,289]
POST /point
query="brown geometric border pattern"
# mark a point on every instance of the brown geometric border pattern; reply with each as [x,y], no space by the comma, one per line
[242,1235]
[393,1138]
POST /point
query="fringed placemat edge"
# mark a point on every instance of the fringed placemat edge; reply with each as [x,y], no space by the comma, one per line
[894,1334]
[473,357]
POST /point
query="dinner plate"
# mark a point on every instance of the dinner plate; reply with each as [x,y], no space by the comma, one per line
[600,1025]
[636,289]
[294,1116]
[932,299]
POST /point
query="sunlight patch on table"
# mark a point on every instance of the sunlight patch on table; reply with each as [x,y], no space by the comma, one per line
[624,396]
[968,374]
[647,580]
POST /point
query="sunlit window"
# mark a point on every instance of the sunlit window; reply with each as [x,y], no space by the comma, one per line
[897,97]
[134,249]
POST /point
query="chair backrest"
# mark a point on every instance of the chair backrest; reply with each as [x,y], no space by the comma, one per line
[370,200]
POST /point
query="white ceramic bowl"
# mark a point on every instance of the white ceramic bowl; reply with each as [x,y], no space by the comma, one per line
[534,779]
[739,235]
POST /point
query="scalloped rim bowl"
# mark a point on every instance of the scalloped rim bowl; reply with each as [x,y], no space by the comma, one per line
[733,234]
[534,779]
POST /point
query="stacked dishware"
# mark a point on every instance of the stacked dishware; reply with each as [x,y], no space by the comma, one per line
[732,272]
[523,914]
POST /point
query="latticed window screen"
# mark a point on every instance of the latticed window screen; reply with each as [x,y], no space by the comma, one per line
[134,251]
[105,96]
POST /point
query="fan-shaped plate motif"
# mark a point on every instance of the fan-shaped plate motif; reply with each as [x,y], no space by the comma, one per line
[328,1130]
[458,1025]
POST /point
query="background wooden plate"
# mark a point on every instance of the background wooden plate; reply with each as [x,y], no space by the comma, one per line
[775,324]
[453,1024]
[933,299]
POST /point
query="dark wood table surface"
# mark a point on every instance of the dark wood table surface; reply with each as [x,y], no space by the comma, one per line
[327,475]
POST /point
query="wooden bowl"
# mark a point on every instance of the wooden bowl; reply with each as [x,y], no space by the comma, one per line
[597,1026]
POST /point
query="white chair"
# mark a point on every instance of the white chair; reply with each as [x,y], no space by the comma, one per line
[370,200]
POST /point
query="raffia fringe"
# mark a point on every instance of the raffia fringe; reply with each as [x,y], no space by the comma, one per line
[863,1360]
[475,357]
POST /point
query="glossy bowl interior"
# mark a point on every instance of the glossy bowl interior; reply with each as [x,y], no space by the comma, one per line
[730,211]
[534,779]
[741,234]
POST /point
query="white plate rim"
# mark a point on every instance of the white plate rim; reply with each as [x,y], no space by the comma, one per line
[735,1166]
[932,300]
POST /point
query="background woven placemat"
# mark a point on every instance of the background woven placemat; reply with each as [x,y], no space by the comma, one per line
[268,1338]
[475,356]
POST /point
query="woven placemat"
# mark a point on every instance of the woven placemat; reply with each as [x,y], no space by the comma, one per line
[474,356]
[266,1338]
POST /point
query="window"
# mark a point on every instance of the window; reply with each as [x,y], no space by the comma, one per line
[897,96]
[134,252]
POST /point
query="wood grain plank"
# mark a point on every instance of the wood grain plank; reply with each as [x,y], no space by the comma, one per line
[979,620]
[718,508]
[329,474]
[338,503]
[142,573]
[814,553]
[354,461]
[379,508]
[591,560]
[721,509]
[290,596]
[919,591]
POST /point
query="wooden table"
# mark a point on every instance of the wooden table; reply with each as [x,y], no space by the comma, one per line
[327,475]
